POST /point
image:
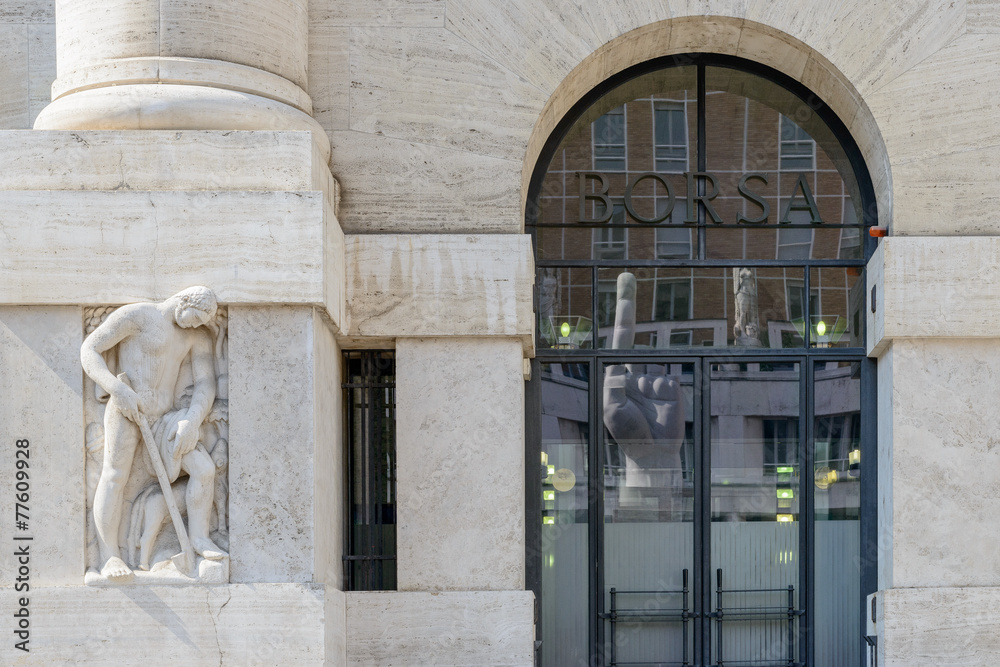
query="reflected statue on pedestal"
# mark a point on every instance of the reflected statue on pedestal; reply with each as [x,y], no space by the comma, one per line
[746,330]
[644,413]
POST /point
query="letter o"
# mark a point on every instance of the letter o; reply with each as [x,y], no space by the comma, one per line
[24,571]
[628,198]
[23,623]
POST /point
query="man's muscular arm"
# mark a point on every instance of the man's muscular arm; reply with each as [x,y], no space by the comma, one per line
[119,326]
[203,370]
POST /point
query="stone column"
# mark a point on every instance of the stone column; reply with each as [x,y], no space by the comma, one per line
[181,65]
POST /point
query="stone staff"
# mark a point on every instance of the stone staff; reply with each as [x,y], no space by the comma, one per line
[185,560]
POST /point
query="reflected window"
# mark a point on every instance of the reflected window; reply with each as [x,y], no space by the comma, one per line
[796,301]
[670,135]
[672,301]
[609,141]
[850,237]
[673,243]
[797,149]
[795,243]
[611,242]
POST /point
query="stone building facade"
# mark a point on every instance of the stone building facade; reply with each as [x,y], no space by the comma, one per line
[348,175]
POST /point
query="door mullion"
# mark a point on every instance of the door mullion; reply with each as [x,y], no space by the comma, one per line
[703,515]
[595,506]
[807,525]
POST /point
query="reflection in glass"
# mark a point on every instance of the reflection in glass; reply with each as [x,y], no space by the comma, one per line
[836,313]
[565,435]
[755,501]
[564,308]
[714,307]
[648,475]
[837,479]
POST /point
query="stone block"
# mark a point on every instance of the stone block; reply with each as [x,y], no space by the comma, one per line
[286,478]
[942,121]
[14,77]
[945,454]
[117,247]
[429,86]
[27,11]
[952,194]
[982,16]
[934,287]
[41,68]
[330,76]
[408,13]
[271,35]
[613,18]
[395,186]
[871,43]
[272,469]
[162,160]
[235,625]
[328,481]
[482,628]
[460,463]
[933,627]
[886,474]
[335,626]
[440,285]
[539,41]
[41,401]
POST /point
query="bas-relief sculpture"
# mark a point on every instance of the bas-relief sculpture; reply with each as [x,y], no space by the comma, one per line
[157,421]
[644,413]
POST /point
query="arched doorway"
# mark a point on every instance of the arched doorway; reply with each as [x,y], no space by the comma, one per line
[701,403]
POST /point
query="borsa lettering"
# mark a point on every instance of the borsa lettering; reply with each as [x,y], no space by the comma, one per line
[801,198]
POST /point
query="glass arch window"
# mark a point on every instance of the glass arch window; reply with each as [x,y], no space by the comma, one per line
[701,404]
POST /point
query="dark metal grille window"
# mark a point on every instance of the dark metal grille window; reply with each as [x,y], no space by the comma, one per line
[370,397]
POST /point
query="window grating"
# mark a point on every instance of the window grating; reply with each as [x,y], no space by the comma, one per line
[370,397]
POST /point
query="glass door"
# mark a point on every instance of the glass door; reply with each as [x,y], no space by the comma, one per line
[699,467]
[756,500]
[648,467]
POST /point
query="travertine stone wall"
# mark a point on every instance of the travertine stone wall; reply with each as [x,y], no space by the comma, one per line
[933,286]
[41,401]
[460,464]
[203,626]
[110,218]
[440,285]
[285,476]
[27,60]
[944,425]
[930,627]
[404,114]
[482,628]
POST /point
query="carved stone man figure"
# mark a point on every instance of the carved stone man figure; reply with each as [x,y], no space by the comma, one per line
[154,340]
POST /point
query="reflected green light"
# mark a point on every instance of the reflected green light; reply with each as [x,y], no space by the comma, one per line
[786,469]
[785,493]
[565,329]
[821,328]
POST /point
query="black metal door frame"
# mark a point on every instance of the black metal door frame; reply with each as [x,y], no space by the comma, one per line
[702,591]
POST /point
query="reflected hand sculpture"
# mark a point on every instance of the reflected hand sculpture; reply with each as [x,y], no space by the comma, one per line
[644,413]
